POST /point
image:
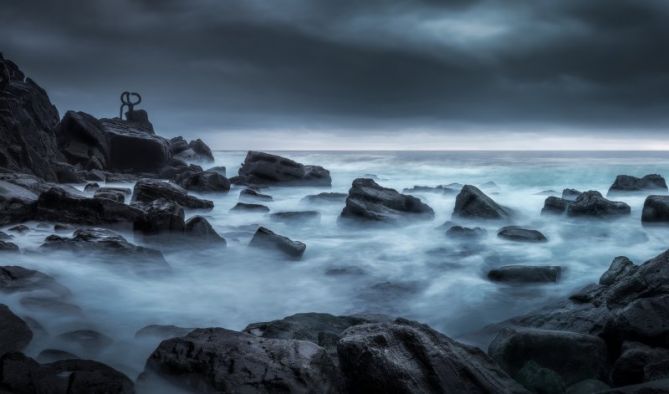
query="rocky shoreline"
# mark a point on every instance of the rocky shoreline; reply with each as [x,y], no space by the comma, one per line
[611,336]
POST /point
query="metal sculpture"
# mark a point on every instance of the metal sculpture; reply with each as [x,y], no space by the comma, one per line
[125,102]
[4,75]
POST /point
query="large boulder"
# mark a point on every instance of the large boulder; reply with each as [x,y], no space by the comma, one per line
[199,229]
[555,206]
[520,234]
[216,360]
[58,205]
[573,356]
[266,169]
[408,357]
[636,363]
[265,238]
[203,181]
[14,332]
[17,203]
[655,210]
[367,201]
[27,122]
[592,204]
[196,150]
[160,216]
[148,190]
[628,183]
[472,203]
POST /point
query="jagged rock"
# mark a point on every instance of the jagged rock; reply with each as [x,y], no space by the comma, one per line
[627,184]
[205,181]
[636,362]
[367,201]
[147,190]
[245,207]
[266,239]
[620,267]
[91,187]
[573,356]
[103,241]
[570,194]
[555,206]
[14,279]
[6,246]
[176,168]
[160,216]
[111,195]
[14,332]
[459,232]
[655,210]
[525,274]
[178,145]
[592,204]
[17,203]
[250,194]
[200,229]
[219,169]
[53,355]
[27,121]
[407,357]
[196,150]
[472,203]
[295,216]
[60,206]
[139,119]
[325,197]
[223,361]
[441,189]
[519,234]
[162,331]
[265,169]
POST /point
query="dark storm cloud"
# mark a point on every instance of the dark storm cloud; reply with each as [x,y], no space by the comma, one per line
[381,64]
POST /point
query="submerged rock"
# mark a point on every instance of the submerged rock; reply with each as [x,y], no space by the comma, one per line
[14,332]
[655,210]
[266,239]
[162,331]
[91,187]
[203,181]
[246,207]
[266,169]
[160,216]
[441,189]
[519,234]
[200,230]
[592,204]
[148,190]
[627,184]
[325,197]
[250,194]
[6,246]
[525,273]
[555,206]
[53,355]
[367,201]
[14,279]
[459,232]
[570,194]
[295,216]
[472,203]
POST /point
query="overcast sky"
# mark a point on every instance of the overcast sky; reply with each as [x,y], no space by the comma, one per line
[354,74]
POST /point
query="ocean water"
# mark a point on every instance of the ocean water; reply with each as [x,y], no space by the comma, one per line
[413,271]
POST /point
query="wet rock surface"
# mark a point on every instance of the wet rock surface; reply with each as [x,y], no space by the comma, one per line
[520,234]
[266,169]
[252,195]
[249,207]
[525,274]
[630,184]
[592,204]
[655,210]
[472,203]
[203,181]
[265,238]
[460,232]
[148,190]
[325,197]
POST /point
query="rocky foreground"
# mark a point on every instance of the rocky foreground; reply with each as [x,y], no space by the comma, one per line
[612,336]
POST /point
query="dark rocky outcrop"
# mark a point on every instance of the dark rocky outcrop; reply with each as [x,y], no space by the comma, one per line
[252,195]
[570,194]
[159,217]
[57,205]
[592,204]
[520,234]
[14,279]
[525,274]
[14,332]
[6,246]
[267,239]
[407,357]
[111,195]
[555,206]
[203,181]
[266,169]
[655,210]
[632,184]
[148,190]
[195,150]
[219,169]
[637,363]
[460,232]
[17,203]
[246,207]
[325,197]
[199,229]
[216,360]
[369,202]
[295,216]
[472,203]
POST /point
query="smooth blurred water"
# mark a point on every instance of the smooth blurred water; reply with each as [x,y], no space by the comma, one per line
[412,271]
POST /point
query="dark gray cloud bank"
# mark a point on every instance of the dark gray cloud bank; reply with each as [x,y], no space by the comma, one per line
[326,69]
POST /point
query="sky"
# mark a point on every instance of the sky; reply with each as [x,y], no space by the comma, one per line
[350,74]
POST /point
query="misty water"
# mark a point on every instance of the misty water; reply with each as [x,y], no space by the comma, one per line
[413,271]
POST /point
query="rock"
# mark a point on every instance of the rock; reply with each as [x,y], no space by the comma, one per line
[634,363]
[655,387]
[172,171]
[540,380]
[643,319]
[472,203]
[205,181]
[216,360]
[200,229]
[555,206]
[63,228]
[162,331]
[111,195]
[27,122]
[266,239]
[244,207]
[459,232]
[21,228]
[655,210]
[139,119]
[407,357]
[160,216]
[6,246]
[17,203]
[325,197]
[587,386]
[250,194]
[592,204]
[14,279]
[53,355]
[5,236]
[122,190]
[367,201]
[519,234]
[525,274]
[195,151]
[219,169]
[91,187]
[441,189]
[90,341]
[620,267]
[627,184]
[295,216]
[106,242]
[570,194]
[178,145]
[266,169]
[60,206]
[50,305]
[148,190]
[14,332]
[573,356]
